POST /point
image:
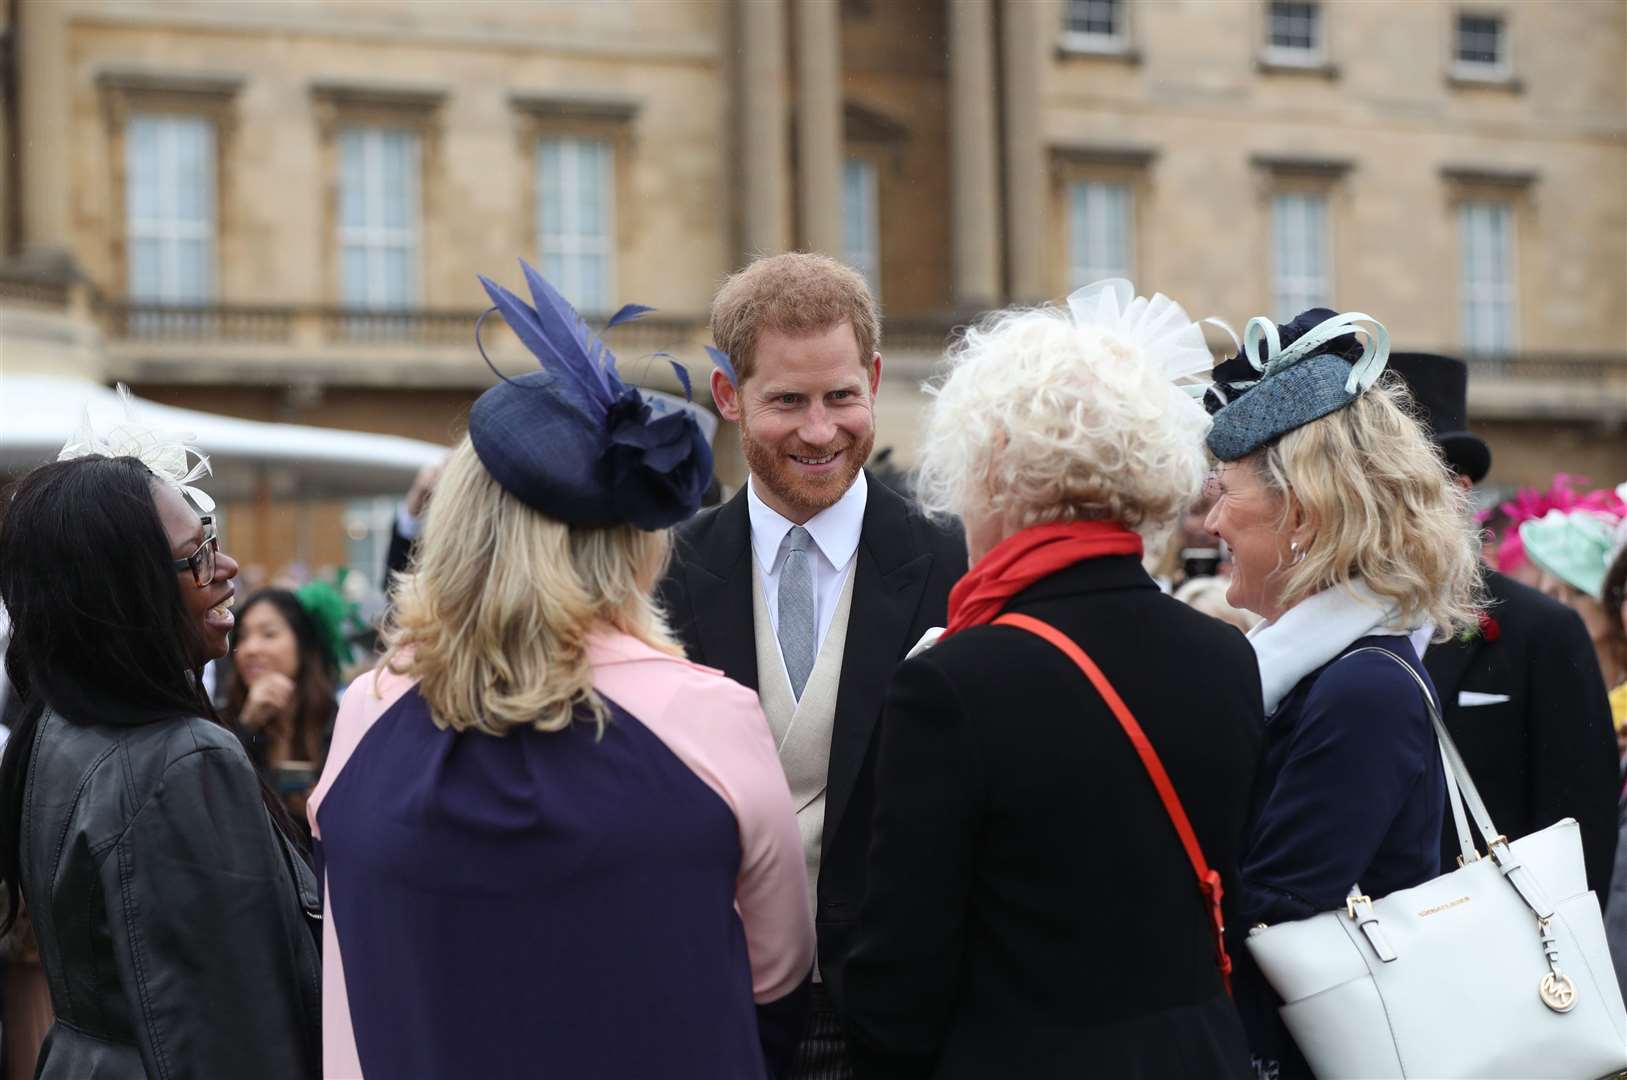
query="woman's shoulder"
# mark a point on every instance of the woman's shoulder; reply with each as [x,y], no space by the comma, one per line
[645,680]
[1371,677]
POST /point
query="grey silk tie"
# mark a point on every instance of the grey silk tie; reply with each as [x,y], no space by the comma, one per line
[798,625]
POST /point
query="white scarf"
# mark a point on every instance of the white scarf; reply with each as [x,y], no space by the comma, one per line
[1314,631]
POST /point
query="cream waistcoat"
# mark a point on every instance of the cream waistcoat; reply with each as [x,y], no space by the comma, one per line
[802,729]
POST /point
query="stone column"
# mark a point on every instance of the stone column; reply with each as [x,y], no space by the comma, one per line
[1025,37]
[819,126]
[974,166]
[762,147]
[43,125]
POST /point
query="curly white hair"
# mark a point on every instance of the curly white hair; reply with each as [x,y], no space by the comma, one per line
[1039,420]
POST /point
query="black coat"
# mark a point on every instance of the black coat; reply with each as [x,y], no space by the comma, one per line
[176,926]
[906,566]
[1547,752]
[1031,911]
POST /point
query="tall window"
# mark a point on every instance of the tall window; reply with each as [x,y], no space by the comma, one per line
[861,235]
[1486,236]
[1094,24]
[378,217]
[1299,254]
[576,188]
[1482,45]
[1294,29]
[170,208]
[1098,232]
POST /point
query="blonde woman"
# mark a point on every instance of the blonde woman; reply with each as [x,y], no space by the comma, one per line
[552,846]
[1346,531]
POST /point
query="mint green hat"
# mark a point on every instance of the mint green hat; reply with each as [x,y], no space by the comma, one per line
[1573,546]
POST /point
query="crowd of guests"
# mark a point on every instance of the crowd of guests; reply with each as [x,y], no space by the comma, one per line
[985,780]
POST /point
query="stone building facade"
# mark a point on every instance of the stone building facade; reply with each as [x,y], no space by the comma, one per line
[278,210]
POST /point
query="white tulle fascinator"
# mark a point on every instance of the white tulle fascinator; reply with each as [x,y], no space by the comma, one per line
[1158,329]
[165,453]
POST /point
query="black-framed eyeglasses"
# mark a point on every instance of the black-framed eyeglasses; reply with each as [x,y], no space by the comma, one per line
[202,561]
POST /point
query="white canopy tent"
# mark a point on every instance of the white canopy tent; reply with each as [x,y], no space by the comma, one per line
[251,459]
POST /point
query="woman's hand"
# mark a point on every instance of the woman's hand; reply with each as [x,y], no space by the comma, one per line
[268,702]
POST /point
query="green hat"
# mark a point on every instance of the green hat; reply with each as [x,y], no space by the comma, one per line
[1573,546]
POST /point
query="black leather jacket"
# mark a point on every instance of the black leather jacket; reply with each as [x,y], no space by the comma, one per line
[174,922]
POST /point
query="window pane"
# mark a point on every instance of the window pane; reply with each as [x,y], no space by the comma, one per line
[378,229]
[1300,277]
[1293,25]
[1487,287]
[169,208]
[354,274]
[575,219]
[1099,236]
[861,238]
[1097,18]
[1479,39]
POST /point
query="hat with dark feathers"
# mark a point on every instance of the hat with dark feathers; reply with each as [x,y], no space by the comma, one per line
[572,440]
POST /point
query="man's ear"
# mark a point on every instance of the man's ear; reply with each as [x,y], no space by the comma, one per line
[875,374]
[726,396]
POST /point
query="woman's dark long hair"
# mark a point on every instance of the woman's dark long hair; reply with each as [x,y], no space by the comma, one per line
[316,679]
[86,577]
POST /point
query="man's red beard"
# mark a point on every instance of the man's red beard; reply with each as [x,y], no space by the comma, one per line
[808,495]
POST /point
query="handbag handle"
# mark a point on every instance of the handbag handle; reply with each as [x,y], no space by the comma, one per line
[1208,879]
[1460,785]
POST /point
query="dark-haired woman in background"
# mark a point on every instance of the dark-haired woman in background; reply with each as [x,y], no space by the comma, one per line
[281,695]
[173,914]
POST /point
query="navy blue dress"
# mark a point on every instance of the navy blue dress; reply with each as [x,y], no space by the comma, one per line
[1350,790]
[537,905]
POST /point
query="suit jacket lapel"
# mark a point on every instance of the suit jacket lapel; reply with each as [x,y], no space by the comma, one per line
[1447,664]
[719,580]
[891,574]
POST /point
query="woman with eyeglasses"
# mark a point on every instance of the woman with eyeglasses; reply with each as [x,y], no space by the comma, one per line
[177,922]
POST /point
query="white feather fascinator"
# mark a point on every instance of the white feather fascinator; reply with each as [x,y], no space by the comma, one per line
[1158,329]
[165,453]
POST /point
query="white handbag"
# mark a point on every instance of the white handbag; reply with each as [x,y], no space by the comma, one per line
[1497,969]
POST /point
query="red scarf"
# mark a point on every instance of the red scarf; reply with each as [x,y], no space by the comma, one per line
[1024,558]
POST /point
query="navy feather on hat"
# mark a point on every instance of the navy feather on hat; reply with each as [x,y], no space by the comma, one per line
[572,440]
[1286,376]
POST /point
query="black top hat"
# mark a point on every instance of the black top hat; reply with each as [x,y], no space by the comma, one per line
[1440,386]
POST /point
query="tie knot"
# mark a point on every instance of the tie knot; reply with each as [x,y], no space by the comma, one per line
[799,539]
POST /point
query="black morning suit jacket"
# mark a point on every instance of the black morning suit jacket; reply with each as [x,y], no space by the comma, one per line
[1031,912]
[906,567]
[1549,751]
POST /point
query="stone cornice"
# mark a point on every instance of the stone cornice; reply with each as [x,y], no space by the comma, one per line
[576,105]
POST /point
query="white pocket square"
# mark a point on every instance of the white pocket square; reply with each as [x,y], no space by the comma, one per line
[1466,698]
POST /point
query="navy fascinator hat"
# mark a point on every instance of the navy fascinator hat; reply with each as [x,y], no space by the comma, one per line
[1286,376]
[573,441]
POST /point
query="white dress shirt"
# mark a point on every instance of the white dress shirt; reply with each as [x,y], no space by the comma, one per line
[835,531]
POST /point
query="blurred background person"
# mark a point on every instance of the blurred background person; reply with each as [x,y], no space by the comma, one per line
[282,693]
[1023,860]
[173,913]
[1208,595]
[1520,691]
[1345,534]
[1573,550]
[560,849]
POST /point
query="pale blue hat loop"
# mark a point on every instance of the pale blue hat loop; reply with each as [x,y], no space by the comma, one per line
[1302,381]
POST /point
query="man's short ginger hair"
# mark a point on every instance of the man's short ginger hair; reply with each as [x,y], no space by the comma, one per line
[794,293]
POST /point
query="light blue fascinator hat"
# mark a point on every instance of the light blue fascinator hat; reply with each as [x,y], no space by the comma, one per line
[1574,546]
[1286,376]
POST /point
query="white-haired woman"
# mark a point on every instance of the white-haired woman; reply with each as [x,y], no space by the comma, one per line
[1034,909]
[1346,532]
[552,846]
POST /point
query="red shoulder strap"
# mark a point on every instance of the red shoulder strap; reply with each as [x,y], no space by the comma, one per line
[1208,880]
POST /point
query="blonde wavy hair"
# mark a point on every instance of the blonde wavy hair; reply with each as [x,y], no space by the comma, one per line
[1382,506]
[1039,420]
[494,614]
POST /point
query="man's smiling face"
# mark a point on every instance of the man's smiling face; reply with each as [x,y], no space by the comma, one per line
[807,416]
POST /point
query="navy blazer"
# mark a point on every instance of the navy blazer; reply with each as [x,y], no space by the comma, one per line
[1349,791]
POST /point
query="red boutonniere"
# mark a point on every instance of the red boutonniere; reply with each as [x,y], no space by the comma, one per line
[1488,628]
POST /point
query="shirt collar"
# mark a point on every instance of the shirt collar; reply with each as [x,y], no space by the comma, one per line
[835,529]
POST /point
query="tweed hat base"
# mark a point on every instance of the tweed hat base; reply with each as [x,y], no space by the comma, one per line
[1288,399]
